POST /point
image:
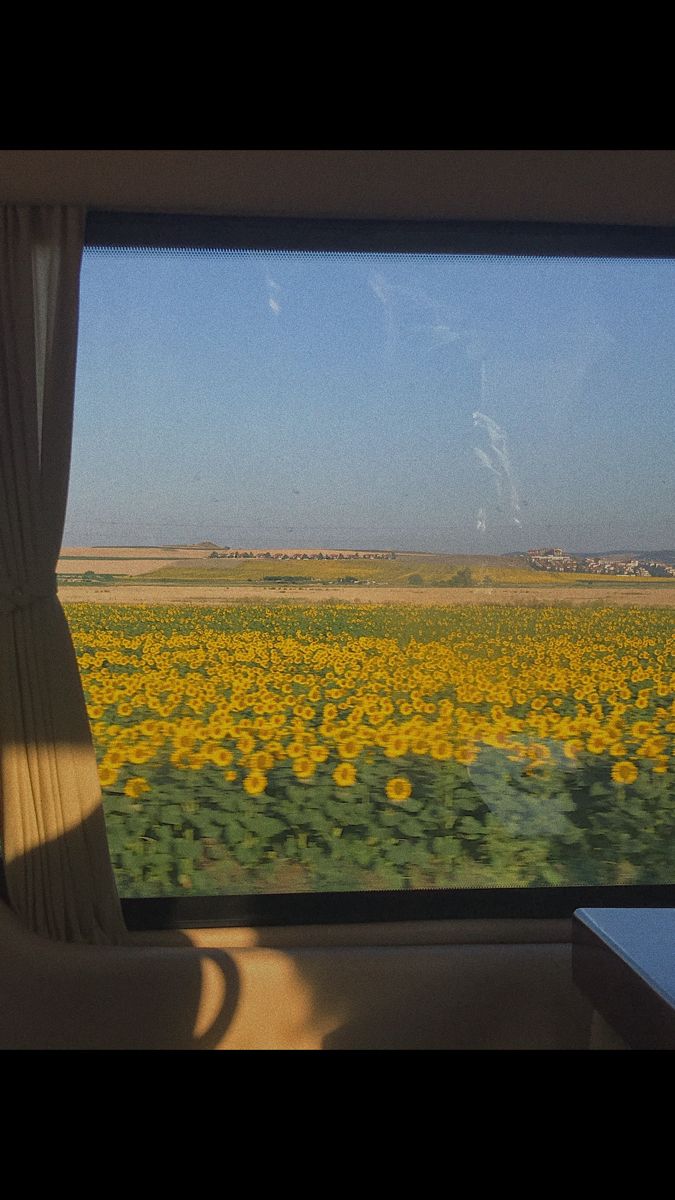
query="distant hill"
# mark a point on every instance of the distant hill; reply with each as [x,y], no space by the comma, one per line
[406,568]
[665,556]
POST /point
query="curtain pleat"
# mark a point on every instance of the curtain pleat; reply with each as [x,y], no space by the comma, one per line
[59,876]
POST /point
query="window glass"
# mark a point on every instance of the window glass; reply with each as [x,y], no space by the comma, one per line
[370,569]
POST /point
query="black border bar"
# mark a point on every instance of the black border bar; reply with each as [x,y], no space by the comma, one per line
[525,238]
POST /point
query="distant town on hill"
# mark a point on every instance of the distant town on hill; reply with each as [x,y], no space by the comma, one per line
[655,564]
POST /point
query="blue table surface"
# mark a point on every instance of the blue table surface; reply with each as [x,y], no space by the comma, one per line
[643,937]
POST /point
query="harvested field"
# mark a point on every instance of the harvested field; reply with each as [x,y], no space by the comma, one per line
[111,566]
[203,552]
[641,595]
[152,552]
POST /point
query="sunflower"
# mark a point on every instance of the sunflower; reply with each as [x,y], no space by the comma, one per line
[221,756]
[318,754]
[465,755]
[304,768]
[262,760]
[107,775]
[398,789]
[441,750]
[345,774]
[624,772]
[596,743]
[349,747]
[135,787]
[255,783]
[395,746]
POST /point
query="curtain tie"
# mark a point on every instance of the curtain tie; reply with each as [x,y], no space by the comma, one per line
[14,595]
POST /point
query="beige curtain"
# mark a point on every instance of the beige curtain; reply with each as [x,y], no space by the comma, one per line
[59,876]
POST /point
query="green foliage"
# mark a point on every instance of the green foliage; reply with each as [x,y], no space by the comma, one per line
[486,825]
[463,578]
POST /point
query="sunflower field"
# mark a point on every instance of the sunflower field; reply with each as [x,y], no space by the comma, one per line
[294,748]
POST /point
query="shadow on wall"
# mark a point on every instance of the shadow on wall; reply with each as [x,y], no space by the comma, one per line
[450,997]
[56,995]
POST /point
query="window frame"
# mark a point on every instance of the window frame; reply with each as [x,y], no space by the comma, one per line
[185,231]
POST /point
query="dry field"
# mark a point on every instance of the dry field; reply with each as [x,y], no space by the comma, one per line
[179,575]
[641,595]
[117,552]
[140,560]
[125,560]
[111,566]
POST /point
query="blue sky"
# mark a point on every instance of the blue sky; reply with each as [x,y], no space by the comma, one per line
[461,404]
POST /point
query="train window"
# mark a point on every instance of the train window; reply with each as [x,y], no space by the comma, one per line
[369,563]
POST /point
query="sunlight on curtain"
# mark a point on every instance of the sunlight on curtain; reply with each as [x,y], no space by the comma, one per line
[59,876]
